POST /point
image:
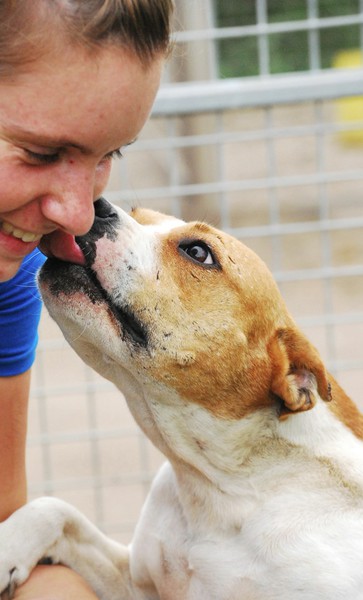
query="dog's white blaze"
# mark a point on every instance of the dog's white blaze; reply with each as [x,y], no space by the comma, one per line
[114,259]
[165,226]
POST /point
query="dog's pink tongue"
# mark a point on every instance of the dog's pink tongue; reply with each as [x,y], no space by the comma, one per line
[63,246]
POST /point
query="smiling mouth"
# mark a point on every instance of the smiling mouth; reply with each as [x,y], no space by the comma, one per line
[20,234]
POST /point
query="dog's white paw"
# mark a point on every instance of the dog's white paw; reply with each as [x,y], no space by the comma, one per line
[23,538]
[14,573]
[11,579]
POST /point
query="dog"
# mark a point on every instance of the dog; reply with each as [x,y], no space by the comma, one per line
[261,495]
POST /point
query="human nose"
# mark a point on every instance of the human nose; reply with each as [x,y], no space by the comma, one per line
[69,203]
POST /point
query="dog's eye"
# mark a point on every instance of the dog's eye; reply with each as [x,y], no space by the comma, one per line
[199,252]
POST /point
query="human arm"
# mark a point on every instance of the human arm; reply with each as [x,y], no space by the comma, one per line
[14,392]
[57,582]
[19,315]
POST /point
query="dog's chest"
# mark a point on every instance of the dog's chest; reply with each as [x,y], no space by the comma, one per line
[256,565]
[178,562]
[278,553]
[187,568]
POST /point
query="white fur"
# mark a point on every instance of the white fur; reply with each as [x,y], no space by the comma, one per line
[219,532]
[249,508]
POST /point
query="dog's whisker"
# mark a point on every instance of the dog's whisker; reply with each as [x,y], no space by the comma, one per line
[79,336]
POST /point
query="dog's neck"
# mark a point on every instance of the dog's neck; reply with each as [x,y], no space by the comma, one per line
[226,468]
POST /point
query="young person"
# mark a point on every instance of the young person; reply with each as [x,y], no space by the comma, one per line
[77,82]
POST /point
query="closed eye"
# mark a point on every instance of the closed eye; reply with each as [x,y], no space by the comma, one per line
[42,159]
[51,157]
[198,251]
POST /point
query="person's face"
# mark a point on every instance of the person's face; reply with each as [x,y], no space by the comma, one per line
[61,123]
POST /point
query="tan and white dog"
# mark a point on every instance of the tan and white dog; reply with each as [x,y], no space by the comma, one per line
[261,497]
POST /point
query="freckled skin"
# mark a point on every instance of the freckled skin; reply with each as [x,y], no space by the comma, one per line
[46,112]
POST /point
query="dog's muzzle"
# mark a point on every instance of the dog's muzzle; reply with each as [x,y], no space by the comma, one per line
[67,279]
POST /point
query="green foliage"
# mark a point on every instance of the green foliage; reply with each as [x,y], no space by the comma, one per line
[288,51]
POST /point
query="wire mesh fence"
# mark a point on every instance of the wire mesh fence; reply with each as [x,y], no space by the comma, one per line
[275,158]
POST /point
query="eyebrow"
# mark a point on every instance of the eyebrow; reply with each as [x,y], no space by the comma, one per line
[25,135]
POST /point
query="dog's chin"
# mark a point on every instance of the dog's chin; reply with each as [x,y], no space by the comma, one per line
[58,280]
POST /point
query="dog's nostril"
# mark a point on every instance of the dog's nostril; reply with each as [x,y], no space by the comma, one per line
[104,209]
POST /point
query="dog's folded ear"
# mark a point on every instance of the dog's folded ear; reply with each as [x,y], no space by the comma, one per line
[298,374]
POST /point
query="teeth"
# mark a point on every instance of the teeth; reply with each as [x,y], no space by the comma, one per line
[25,236]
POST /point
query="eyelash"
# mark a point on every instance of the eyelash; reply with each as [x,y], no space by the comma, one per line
[114,154]
[48,159]
[45,159]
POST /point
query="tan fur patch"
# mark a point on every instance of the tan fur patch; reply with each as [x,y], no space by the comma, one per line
[216,327]
[146,216]
[345,409]
[211,318]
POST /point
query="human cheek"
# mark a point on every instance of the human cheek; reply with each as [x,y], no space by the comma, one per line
[103,171]
[13,196]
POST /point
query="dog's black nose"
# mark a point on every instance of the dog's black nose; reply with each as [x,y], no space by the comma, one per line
[106,217]
[104,209]
[105,223]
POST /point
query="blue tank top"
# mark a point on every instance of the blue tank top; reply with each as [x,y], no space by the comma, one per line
[20,307]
